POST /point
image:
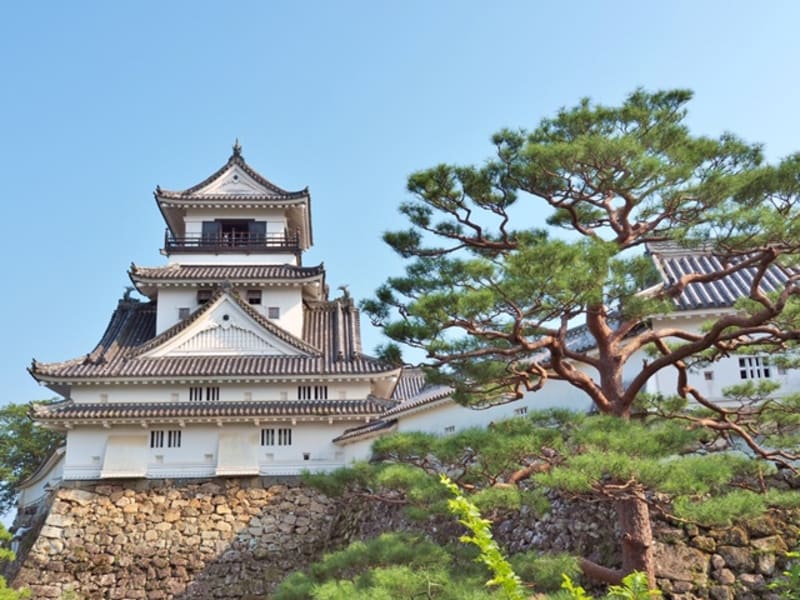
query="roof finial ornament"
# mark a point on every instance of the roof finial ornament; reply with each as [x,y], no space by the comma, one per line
[237,148]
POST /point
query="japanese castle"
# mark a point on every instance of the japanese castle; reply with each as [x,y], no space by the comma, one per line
[236,362]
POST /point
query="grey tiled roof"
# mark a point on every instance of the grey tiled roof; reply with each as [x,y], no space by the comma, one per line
[70,410]
[674,262]
[409,384]
[368,429]
[330,339]
[427,395]
[235,159]
[411,392]
[232,273]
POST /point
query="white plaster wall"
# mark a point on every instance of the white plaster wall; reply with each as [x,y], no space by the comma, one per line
[311,449]
[264,258]
[288,299]
[36,491]
[724,372]
[290,303]
[169,301]
[440,418]
[275,218]
[227,393]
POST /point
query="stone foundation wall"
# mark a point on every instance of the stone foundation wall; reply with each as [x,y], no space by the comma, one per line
[224,539]
[239,538]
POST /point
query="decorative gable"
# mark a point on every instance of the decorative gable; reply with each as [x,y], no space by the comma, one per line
[225,328]
[234,182]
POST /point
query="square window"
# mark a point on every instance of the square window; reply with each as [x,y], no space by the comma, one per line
[267,437]
[754,367]
[708,375]
[254,296]
[203,296]
[173,438]
[284,437]
[274,312]
[156,439]
[183,313]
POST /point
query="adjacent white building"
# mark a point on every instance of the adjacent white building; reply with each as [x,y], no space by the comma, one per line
[239,363]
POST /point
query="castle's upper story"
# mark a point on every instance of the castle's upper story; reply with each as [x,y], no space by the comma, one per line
[235,216]
[239,229]
[233,304]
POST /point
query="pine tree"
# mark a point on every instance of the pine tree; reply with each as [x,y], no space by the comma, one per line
[494,302]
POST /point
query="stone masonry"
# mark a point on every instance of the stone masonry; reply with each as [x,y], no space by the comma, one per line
[222,539]
[239,538]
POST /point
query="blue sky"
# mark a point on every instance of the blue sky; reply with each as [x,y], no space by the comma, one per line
[102,101]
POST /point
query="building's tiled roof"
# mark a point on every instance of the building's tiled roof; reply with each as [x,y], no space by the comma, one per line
[334,328]
[236,159]
[409,384]
[330,338]
[232,273]
[675,261]
[412,392]
[74,411]
[427,395]
[367,430]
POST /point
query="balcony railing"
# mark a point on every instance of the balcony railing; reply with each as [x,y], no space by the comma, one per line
[234,241]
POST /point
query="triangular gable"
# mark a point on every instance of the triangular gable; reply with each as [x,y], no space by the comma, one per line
[226,328]
[234,181]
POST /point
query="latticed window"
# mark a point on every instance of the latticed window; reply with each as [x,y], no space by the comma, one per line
[156,439]
[284,437]
[281,436]
[172,437]
[312,392]
[754,367]
[199,393]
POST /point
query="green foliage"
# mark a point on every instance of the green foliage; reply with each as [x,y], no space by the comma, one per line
[788,586]
[492,300]
[7,593]
[721,510]
[338,481]
[388,567]
[481,536]
[574,591]
[545,570]
[634,587]
[24,446]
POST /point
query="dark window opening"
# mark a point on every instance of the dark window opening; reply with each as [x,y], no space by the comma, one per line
[282,436]
[254,296]
[203,296]
[754,367]
[235,232]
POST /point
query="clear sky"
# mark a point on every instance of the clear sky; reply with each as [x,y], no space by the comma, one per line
[102,101]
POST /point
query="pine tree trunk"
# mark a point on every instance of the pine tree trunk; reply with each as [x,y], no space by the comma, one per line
[637,537]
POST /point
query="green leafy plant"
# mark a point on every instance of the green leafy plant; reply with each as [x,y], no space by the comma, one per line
[788,586]
[634,587]
[481,536]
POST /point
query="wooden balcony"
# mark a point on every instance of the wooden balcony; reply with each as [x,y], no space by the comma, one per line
[232,242]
